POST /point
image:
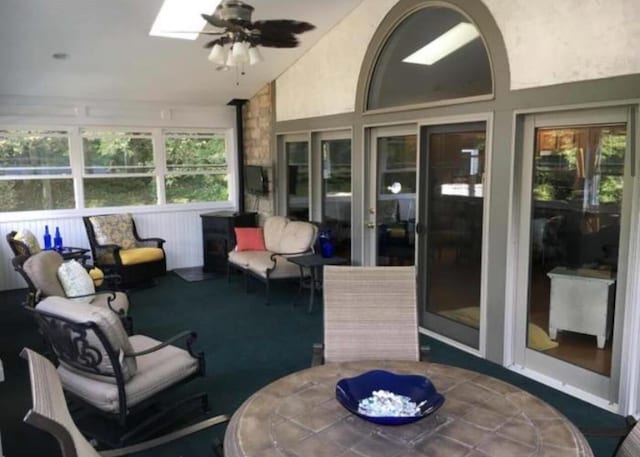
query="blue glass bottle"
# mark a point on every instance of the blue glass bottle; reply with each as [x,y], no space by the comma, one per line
[326,245]
[47,237]
[57,240]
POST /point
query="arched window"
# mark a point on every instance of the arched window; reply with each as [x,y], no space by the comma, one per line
[434,54]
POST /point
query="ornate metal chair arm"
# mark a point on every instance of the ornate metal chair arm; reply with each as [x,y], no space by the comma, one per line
[186,334]
[274,256]
[318,354]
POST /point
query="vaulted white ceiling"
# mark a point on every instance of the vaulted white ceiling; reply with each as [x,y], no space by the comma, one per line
[112,56]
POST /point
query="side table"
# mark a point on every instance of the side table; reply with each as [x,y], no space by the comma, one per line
[314,262]
[582,301]
[72,253]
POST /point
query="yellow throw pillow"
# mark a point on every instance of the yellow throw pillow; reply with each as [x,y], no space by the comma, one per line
[29,239]
[76,281]
[97,275]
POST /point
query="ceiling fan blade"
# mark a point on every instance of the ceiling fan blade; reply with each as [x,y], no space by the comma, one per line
[216,21]
[193,31]
[221,41]
[277,41]
[287,25]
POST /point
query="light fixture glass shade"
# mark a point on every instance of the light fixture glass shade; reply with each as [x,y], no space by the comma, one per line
[231,61]
[218,55]
[240,52]
[254,55]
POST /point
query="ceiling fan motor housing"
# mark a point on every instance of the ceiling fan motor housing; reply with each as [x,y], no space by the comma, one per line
[234,10]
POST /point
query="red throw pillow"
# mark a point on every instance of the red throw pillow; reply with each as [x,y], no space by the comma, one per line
[249,239]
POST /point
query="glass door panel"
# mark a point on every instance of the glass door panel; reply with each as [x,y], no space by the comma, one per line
[297,160]
[395,211]
[454,162]
[577,187]
[336,192]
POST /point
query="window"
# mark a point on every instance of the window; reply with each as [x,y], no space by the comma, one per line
[35,170]
[438,54]
[197,169]
[118,169]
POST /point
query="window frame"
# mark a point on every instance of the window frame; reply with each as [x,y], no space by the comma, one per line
[34,177]
[76,158]
[165,172]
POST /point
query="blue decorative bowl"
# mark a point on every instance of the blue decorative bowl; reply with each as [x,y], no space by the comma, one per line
[350,391]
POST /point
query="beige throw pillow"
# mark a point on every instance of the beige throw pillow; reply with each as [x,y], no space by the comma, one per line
[28,238]
[76,281]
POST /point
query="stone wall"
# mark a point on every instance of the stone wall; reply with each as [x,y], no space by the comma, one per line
[258,145]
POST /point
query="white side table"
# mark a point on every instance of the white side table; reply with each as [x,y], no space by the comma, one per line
[581,301]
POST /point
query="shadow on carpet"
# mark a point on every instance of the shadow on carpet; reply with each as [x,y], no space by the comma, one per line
[195,274]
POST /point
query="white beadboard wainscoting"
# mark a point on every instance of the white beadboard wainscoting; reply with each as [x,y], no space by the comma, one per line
[182,230]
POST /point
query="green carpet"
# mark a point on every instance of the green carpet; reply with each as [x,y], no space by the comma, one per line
[247,345]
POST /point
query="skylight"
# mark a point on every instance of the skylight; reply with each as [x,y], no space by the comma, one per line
[447,43]
[177,18]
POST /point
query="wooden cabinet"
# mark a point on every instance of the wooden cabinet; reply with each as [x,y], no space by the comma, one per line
[218,236]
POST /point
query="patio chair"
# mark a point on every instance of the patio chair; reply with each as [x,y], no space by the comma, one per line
[40,272]
[117,248]
[28,245]
[370,313]
[50,413]
[117,375]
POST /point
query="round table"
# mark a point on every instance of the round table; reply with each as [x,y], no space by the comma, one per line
[298,415]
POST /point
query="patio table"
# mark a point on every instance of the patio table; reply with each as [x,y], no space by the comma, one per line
[298,415]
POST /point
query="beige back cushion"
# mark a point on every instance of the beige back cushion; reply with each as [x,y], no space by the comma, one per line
[631,445]
[114,229]
[42,269]
[273,227]
[297,237]
[370,313]
[107,321]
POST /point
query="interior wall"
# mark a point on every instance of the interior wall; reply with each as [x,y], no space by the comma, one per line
[258,123]
[179,225]
[548,42]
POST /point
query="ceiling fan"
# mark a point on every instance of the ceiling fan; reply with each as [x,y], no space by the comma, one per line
[244,36]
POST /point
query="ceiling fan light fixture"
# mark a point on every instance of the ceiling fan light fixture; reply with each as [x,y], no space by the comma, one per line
[254,55]
[218,55]
[240,52]
[231,61]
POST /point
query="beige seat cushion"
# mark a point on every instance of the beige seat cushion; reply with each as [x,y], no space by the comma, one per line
[156,371]
[42,269]
[108,322]
[140,255]
[261,261]
[114,229]
[120,303]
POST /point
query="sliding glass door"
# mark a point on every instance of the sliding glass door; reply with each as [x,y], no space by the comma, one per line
[575,176]
[451,227]
[392,195]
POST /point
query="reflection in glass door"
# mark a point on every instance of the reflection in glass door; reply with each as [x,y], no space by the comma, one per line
[395,202]
[572,212]
[453,159]
[297,160]
[336,192]
[578,176]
